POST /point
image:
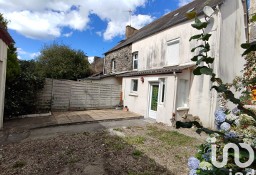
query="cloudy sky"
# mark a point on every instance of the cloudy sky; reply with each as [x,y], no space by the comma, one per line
[93,26]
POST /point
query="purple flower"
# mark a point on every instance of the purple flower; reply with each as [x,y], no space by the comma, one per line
[193,163]
[220,116]
[192,172]
[230,135]
[225,126]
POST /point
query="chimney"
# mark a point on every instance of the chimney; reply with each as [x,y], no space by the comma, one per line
[130,31]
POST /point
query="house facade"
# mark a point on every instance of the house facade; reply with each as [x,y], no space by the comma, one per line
[161,84]
[5,40]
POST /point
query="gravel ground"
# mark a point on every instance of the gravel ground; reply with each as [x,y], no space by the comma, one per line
[152,149]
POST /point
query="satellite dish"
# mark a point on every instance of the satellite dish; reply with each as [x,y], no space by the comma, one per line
[208,11]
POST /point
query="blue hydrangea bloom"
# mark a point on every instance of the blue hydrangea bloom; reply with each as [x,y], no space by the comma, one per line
[192,172]
[235,111]
[230,135]
[220,116]
[225,126]
[193,163]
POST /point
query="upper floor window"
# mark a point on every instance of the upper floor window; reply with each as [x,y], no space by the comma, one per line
[135,60]
[113,65]
[173,52]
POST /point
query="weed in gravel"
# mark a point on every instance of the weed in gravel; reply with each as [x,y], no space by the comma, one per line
[137,153]
[135,140]
[19,164]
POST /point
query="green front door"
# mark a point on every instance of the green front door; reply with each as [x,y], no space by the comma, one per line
[154,97]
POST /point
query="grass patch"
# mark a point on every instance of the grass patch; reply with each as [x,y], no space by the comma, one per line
[118,129]
[19,164]
[115,143]
[137,153]
[171,138]
[135,140]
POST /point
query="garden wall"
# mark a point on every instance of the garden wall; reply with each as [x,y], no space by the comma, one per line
[63,95]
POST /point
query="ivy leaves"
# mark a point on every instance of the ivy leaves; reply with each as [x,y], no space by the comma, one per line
[202,56]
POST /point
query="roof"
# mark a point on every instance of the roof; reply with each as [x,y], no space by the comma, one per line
[5,36]
[165,70]
[171,19]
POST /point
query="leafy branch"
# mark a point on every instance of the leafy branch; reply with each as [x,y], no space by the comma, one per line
[204,61]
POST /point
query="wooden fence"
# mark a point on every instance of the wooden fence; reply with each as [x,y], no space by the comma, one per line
[74,95]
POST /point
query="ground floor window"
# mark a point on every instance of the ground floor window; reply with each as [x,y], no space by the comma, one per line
[183,93]
[162,90]
[134,85]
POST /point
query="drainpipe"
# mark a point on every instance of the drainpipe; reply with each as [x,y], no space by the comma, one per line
[174,98]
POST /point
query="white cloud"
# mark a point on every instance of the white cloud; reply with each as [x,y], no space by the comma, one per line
[68,34]
[23,55]
[90,59]
[45,19]
[184,2]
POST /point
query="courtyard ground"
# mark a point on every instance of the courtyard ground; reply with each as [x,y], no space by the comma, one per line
[144,149]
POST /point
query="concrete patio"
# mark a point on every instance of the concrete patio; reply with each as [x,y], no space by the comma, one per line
[69,118]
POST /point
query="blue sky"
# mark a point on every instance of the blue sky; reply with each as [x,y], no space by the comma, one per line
[93,26]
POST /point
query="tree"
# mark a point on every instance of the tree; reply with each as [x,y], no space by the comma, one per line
[13,68]
[61,62]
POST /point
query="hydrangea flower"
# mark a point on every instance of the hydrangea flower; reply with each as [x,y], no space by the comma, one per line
[225,126]
[220,116]
[192,172]
[230,135]
[232,117]
[211,140]
[207,156]
[193,163]
[235,111]
[205,166]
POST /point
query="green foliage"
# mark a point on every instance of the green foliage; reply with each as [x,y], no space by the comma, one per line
[21,92]
[61,62]
[3,21]
[13,68]
[203,62]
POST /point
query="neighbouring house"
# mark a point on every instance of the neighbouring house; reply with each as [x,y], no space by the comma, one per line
[97,65]
[5,40]
[156,68]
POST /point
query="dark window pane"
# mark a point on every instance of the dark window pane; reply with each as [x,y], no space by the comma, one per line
[163,92]
[135,64]
[135,85]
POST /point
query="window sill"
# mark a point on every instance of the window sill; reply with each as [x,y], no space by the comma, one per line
[182,108]
[134,94]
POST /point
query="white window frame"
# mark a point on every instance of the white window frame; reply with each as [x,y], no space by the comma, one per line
[135,56]
[172,42]
[132,85]
[186,95]
[162,91]
[113,65]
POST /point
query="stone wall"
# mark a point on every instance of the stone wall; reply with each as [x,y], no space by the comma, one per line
[123,59]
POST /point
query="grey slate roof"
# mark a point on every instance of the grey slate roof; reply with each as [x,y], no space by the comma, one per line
[165,70]
[167,21]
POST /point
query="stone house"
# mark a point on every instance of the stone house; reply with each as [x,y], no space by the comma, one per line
[5,41]
[156,68]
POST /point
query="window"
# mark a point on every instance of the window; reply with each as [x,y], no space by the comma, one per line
[183,93]
[113,65]
[134,85]
[173,52]
[135,60]
[162,90]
